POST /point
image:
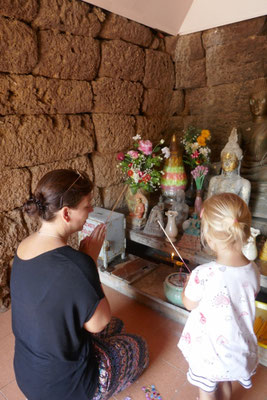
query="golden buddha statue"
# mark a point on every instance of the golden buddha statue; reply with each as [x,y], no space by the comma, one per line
[230,180]
[254,143]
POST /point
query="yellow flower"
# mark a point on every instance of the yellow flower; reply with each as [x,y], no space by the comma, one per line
[205,133]
[201,141]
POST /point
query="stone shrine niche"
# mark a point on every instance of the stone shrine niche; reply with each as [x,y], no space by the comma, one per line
[78,103]
[254,142]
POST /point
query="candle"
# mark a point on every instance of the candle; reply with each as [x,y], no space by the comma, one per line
[172,259]
[174,248]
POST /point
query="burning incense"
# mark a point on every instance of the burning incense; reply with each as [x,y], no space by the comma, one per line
[176,251]
[116,202]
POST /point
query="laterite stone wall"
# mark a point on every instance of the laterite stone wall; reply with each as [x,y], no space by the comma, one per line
[77,83]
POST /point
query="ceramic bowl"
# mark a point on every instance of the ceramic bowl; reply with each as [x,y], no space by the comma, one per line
[173,287]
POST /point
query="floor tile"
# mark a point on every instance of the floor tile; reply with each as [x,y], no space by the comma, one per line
[167,369]
[5,325]
[166,378]
[6,360]
[12,392]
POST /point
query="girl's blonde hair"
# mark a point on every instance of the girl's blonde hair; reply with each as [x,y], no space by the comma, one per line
[226,218]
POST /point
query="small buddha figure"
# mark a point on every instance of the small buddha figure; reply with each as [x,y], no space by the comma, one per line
[138,211]
[181,207]
[139,208]
[156,214]
[229,180]
[254,143]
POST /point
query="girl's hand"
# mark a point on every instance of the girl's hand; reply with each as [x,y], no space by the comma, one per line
[189,304]
[92,244]
[186,281]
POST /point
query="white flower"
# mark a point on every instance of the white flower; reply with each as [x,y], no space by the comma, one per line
[135,177]
[162,141]
[204,151]
[137,137]
[194,146]
[166,152]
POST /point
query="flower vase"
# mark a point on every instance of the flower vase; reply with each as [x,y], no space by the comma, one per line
[198,202]
[171,228]
[190,193]
[250,249]
[174,176]
[137,204]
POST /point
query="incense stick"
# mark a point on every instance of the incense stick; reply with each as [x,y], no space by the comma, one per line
[116,202]
[177,252]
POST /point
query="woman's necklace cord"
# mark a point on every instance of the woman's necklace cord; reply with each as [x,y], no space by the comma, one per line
[50,234]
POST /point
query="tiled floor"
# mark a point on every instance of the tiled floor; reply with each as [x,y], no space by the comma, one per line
[167,369]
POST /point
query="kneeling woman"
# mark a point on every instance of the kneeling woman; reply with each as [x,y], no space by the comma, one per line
[67,346]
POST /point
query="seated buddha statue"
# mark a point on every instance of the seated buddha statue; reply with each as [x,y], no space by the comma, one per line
[230,180]
[254,143]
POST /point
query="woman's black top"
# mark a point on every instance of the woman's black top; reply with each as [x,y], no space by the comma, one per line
[52,296]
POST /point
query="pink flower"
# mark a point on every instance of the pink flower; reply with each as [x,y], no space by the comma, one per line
[199,171]
[120,156]
[134,154]
[145,146]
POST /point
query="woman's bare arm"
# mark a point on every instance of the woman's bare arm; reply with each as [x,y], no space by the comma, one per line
[100,318]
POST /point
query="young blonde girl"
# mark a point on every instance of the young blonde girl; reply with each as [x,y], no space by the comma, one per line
[218,339]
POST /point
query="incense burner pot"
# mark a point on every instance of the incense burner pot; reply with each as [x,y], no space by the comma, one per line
[173,287]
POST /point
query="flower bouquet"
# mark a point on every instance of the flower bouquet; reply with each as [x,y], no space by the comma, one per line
[199,174]
[142,165]
[197,157]
[195,144]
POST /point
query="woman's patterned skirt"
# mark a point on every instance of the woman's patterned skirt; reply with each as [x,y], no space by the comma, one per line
[121,358]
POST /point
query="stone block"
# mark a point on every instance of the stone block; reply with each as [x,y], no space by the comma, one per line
[159,70]
[82,164]
[25,10]
[225,99]
[233,32]
[14,188]
[67,56]
[33,140]
[97,198]
[174,126]
[158,43]
[113,132]
[177,102]
[18,49]
[189,47]
[106,170]
[110,195]
[67,16]
[190,74]
[170,45]
[35,95]
[160,102]
[122,60]
[155,128]
[12,231]
[155,43]
[31,223]
[236,62]
[117,96]
[117,27]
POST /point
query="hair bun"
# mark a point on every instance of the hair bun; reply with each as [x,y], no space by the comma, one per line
[38,203]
